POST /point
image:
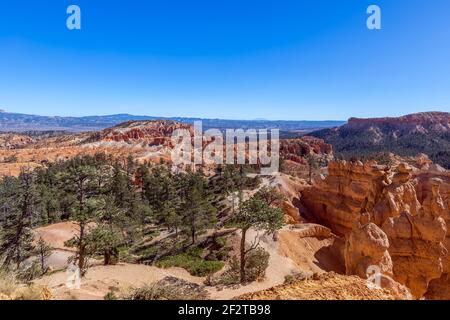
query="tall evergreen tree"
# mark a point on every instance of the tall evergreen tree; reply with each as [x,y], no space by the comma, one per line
[81,180]
[197,210]
[18,207]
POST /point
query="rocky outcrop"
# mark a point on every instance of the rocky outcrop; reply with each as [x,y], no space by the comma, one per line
[151,133]
[311,230]
[349,190]
[393,217]
[297,150]
[367,246]
[417,249]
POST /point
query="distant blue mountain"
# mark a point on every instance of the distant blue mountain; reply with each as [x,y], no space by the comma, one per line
[24,122]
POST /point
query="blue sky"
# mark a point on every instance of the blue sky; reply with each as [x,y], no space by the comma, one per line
[234,59]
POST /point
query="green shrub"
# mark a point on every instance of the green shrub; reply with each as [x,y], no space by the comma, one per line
[204,268]
[289,279]
[168,289]
[110,296]
[255,268]
[297,276]
[30,273]
[195,265]
[221,241]
[256,264]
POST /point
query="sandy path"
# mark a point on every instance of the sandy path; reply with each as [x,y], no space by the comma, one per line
[56,234]
[101,279]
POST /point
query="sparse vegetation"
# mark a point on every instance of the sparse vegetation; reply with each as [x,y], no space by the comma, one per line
[167,289]
[256,264]
[193,263]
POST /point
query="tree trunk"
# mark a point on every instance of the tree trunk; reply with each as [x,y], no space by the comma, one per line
[81,250]
[193,235]
[107,258]
[42,261]
[244,232]
[193,229]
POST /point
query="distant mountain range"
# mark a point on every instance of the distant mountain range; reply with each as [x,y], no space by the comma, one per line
[427,132]
[16,122]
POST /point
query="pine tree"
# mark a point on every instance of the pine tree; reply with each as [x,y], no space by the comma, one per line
[18,206]
[120,186]
[270,195]
[80,180]
[255,213]
[197,210]
[43,252]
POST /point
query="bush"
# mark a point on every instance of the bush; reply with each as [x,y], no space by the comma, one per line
[169,288]
[289,279]
[195,265]
[110,296]
[298,276]
[205,268]
[256,264]
[30,273]
[255,269]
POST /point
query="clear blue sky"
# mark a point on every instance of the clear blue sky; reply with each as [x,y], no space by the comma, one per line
[235,59]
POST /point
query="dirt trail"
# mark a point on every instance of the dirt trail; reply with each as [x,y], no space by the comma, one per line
[56,234]
[101,279]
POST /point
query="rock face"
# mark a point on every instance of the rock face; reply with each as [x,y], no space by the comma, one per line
[395,218]
[151,133]
[297,150]
[349,190]
[367,246]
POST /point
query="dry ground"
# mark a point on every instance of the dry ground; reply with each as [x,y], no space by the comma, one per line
[329,286]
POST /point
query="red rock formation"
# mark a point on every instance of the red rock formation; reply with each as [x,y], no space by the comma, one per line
[151,133]
[349,190]
[367,246]
[409,209]
[297,150]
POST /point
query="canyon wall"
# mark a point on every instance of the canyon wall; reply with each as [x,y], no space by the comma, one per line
[394,217]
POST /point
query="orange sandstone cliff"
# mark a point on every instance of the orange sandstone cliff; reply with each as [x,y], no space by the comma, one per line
[393,217]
